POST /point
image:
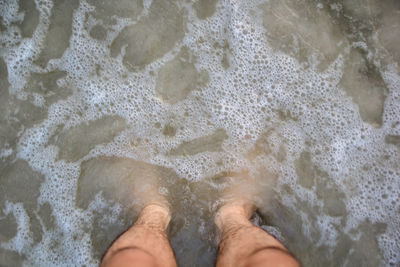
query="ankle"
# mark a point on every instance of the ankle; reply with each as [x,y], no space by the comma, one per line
[154,216]
[232,216]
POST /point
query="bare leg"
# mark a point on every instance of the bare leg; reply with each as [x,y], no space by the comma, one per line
[145,243]
[243,244]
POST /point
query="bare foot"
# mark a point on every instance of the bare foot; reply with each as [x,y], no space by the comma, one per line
[146,188]
[146,242]
[233,213]
[154,216]
[239,201]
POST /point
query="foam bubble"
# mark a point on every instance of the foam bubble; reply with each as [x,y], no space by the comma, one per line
[261,106]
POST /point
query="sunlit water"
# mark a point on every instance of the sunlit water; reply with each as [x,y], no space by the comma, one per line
[305,95]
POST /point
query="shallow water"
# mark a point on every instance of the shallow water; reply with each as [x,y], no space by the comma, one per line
[304,95]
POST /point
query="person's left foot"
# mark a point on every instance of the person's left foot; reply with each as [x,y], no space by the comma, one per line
[154,216]
[146,189]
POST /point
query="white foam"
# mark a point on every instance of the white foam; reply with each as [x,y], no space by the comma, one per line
[242,100]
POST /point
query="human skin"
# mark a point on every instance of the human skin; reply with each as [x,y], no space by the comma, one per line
[145,243]
[243,244]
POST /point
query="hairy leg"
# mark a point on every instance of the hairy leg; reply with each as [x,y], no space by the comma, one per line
[243,244]
[145,243]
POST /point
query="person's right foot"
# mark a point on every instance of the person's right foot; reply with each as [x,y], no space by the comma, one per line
[233,212]
[238,201]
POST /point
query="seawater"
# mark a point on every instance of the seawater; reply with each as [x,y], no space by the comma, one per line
[304,95]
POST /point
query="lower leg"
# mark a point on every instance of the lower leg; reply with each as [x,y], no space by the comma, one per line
[145,243]
[243,244]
